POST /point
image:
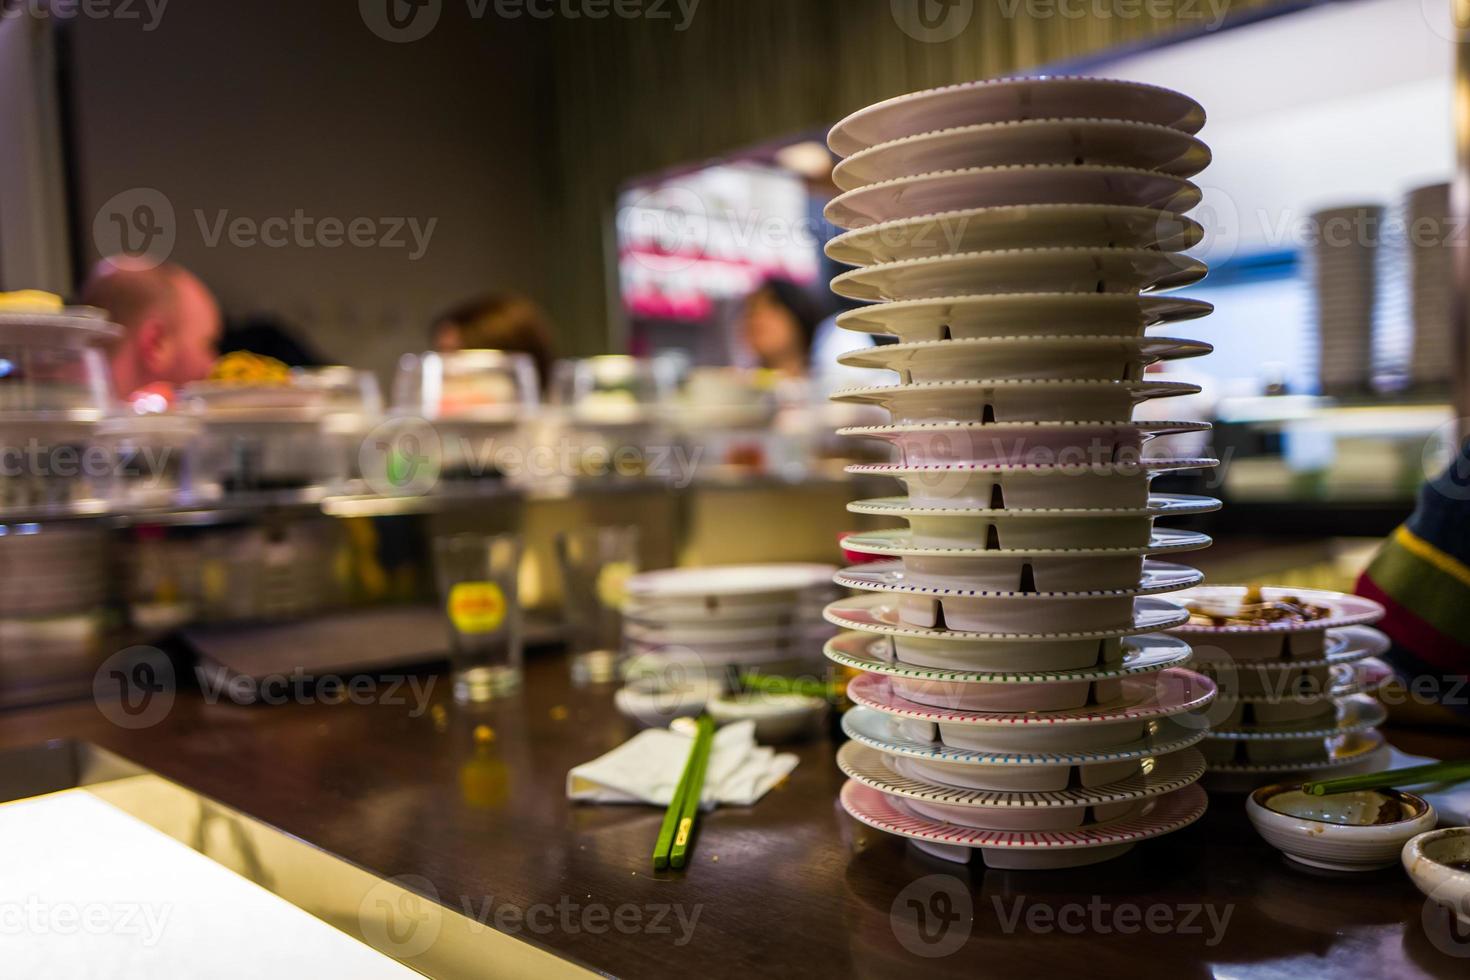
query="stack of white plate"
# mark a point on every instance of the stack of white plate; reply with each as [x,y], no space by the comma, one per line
[1014,696]
[1295,695]
[710,619]
[1430,272]
[1344,262]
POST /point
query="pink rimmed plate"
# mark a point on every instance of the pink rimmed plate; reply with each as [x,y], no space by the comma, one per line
[874,654]
[1163,774]
[1019,849]
[1167,694]
[1002,100]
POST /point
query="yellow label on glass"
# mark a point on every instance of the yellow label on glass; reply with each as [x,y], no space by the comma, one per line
[612,583]
[476,607]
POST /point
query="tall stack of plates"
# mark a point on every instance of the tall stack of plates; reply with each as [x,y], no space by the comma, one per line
[1294,692]
[1014,696]
[1344,262]
[711,619]
[1430,272]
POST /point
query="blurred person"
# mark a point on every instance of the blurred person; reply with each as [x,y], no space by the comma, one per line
[778,322]
[270,336]
[171,322]
[1421,575]
[505,321]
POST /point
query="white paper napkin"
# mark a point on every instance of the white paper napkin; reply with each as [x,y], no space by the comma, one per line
[647,767]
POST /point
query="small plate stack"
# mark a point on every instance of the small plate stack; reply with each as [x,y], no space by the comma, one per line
[1014,697]
[711,619]
[1344,263]
[1295,691]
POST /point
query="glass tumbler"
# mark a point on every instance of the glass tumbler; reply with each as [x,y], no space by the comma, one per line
[595,564]
[477,588]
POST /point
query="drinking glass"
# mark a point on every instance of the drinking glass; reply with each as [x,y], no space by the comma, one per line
[595,564]
[477,588]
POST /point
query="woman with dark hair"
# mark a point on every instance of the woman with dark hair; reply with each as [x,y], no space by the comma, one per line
[500,321]
[779,321]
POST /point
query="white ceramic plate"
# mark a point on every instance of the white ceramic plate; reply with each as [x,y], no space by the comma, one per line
[951,763]
[931,443]
[1013,400]
[1022,314]
[1079,142]
[1166,694]
[1027,850]
[1063,270]
[1030,531]
[901,542]
[1101,358]
[886,774]
[1159,505]
[1342,680]
[1028,654]
[719,583]
[1001,485]
[1345,610]
[696,634]
[1352,749]
[1344,645]
[1012,100]
[1358,713]
[1021,226]
[880,613]
[981,187]
[875,655]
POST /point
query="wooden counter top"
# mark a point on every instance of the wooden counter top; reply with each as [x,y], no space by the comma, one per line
[788,886]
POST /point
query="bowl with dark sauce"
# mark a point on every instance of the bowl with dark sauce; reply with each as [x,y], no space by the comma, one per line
[1359,831]
[1439,864]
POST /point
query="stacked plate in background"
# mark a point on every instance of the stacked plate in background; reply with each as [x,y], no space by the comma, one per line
[692,632]
[1430,273]
[1344,269]
[1295,669]
[1014,697]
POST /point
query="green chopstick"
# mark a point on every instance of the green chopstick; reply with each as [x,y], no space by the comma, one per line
[693,793]
[1434,772]
[672,815]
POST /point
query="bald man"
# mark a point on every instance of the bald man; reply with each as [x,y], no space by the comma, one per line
[170,320]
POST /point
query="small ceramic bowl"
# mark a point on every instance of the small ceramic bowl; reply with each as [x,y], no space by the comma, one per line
[777,717]
[1439,864]
[1331,831]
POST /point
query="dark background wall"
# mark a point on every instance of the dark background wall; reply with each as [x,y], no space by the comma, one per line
[514,133]
[270,106]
